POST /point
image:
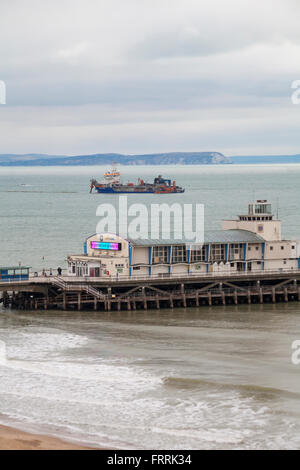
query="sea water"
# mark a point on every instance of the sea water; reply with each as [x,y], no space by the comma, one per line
[196,378]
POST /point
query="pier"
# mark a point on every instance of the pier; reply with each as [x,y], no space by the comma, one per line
[247,261]
[150,292]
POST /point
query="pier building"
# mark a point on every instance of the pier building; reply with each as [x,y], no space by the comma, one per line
[247,261]
[14,273]
[251,243]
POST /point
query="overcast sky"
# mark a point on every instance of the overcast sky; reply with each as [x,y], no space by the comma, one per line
[142,76]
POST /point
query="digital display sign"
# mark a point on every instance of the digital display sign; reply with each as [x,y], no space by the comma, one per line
[106,246]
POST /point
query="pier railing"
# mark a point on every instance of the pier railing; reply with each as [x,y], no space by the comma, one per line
[142,277]
[65,286]
[66,281]
[166,276]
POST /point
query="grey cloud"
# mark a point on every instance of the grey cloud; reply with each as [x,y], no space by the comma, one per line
[149,93]
[202,42]
[93,75]
[178,44]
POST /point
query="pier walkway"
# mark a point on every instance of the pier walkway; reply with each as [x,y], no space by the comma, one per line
[135,292]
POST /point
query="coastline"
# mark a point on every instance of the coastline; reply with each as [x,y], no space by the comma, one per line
[14,439]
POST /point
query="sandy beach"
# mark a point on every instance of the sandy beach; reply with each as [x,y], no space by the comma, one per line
[13,439]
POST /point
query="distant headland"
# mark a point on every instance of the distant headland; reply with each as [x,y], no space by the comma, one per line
[171,158]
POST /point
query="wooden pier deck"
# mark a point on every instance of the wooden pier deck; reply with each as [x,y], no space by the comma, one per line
[71,293]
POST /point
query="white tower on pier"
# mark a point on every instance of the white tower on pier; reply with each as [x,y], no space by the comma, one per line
[259,220]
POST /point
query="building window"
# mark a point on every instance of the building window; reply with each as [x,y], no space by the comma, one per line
[160,255]
[217,252]
[249,248]
[136,268]
[260,228]
[257,248]
[293,247]
[263,209]
[282,247]
[179,254]
[271,248]
[198,255]
[236,251]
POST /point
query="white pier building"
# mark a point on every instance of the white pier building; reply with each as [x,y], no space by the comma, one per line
[252,242]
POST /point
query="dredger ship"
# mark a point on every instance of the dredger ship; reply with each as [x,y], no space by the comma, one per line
[112,184]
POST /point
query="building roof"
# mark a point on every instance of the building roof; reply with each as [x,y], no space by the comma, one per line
[6,268]
[210,236]
[232,236]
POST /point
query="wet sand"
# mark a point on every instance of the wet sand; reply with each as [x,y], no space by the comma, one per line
[13,439]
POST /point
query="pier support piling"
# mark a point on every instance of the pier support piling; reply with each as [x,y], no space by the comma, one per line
[261,297]
[64,301]
[71,293]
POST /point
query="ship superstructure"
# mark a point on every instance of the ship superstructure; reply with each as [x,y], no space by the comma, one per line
[111,183]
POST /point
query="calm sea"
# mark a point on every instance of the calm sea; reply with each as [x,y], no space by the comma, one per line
[207,378]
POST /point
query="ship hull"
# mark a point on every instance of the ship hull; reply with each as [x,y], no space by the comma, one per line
[159,186]
[110,190]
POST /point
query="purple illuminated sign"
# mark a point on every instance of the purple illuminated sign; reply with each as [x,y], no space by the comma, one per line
[106,246]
